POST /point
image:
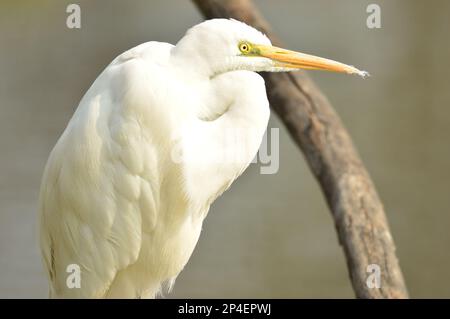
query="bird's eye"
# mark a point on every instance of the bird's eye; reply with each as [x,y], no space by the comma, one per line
[244,47]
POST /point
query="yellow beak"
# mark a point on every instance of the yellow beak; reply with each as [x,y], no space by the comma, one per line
[295,60]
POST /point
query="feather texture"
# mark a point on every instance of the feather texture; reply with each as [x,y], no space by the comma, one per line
[113,198]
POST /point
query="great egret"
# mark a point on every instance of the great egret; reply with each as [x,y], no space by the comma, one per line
[129,182]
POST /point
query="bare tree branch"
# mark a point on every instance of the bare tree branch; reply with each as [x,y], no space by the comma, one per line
[357,211]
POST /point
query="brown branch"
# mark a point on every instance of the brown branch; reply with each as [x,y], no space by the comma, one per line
[357,211]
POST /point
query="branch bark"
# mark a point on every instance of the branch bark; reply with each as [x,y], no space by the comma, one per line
[313,124]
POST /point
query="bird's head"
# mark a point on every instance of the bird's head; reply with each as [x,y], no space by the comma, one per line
[222,45]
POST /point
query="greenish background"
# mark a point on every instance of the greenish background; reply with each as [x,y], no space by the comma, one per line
[269,235]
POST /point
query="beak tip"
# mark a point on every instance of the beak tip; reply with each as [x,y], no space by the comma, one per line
[363,74]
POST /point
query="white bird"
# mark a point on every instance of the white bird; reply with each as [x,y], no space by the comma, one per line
[130,181]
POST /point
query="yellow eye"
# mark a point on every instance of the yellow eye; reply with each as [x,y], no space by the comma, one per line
[244,47]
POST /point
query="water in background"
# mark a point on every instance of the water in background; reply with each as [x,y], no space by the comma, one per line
[269,235]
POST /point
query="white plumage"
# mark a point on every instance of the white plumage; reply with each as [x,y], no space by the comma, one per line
[129,182]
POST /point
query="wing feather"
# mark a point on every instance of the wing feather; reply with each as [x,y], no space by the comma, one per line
[96,197]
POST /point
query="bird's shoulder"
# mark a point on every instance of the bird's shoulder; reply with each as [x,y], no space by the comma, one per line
[150,52]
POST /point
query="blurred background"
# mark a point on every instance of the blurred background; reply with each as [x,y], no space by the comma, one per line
[269,235]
